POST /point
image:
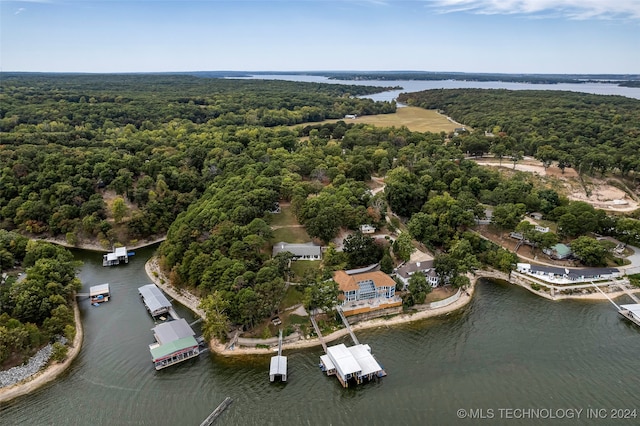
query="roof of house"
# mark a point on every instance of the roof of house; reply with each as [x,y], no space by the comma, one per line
[574,272]
[172,330]
[409,268]
[562,249]
[306,249]
[153,297]
[348,282]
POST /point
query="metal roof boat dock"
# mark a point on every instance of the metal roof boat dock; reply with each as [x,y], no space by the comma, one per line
[99,293]
[354,362]
[175,342]
[155,301]
[278,367]
[119,255]
[631,312]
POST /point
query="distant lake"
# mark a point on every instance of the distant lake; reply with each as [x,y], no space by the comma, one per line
[420,85]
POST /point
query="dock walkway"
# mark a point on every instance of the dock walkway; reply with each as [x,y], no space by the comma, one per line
[631,295]
[346,324]
[315,326]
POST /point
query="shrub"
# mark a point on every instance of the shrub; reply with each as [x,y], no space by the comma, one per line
[59,352]
[535,286]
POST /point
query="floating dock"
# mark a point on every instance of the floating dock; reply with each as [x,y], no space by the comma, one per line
[156,302]
[631,312]
[118,256]
[216,413]
[175,343]
[278,366]
[353,364]
[99,293]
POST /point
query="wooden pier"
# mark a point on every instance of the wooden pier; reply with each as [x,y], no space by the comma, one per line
[278,366]
[315,326]
[346,324]
[216,413]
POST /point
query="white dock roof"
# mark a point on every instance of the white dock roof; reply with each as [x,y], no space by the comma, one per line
[98,289]
[362,354]
[111,256]
[327,362]
[343,359]
[635,308]
[278,365]
[153,298]
[121,252]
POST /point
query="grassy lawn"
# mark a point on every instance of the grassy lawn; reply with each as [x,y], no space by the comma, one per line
[290,235]
[414,118]
[292,297]
[300,267]
[285,217]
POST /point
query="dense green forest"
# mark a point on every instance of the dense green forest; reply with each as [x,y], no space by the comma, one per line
[37,307]
[592,133]
[68,141]
[207,160]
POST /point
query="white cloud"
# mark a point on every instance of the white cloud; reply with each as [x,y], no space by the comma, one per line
[572,9]
[19,11]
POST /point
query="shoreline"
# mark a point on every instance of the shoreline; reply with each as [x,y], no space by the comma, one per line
[94,246]
[190,301]
[52,371]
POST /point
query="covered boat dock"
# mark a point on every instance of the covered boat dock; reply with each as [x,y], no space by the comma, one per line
[99,293]
[631,312]
[118,256]
[156,302]
[175,342]
[355,363]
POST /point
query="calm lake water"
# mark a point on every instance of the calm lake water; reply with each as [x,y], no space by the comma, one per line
[507,349]
[419,85]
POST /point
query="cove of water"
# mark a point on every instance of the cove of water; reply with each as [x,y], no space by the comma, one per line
[420,85]
[507,349]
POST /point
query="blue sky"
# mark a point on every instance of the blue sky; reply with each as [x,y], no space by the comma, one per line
[506,36]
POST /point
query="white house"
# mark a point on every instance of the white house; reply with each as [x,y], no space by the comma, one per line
[367,229]
[306,251]
[559,275]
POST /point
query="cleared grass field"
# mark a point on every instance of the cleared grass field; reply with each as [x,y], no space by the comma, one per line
[414,118]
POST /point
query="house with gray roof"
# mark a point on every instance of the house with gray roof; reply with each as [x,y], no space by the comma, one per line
[426,267]
[306,251]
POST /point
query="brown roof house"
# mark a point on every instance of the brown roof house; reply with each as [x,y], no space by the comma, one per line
[362,292]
